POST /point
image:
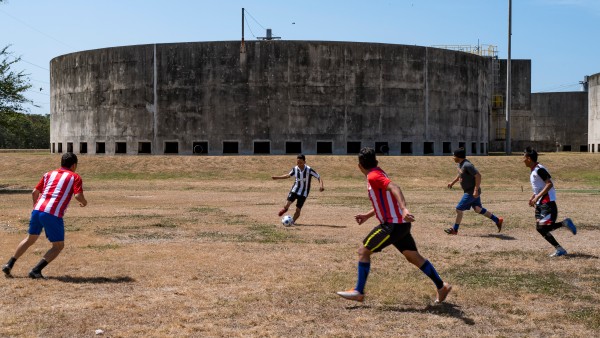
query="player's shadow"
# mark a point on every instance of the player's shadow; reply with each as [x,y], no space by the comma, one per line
[443,309]
[321,225]
[580,255]
[93,280]
[499,236]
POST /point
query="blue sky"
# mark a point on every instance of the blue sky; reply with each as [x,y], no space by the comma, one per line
[561,37]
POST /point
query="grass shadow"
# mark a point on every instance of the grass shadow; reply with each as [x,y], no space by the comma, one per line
[580,255]
[499,236]
[443,309]
[93,280]
[321,225]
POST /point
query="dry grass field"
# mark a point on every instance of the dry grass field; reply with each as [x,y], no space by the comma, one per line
[176,246]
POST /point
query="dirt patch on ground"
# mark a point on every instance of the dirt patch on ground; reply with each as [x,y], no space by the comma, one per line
[192,246]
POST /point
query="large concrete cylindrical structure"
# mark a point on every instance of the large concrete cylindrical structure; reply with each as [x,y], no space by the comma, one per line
[277,97]
[594,113]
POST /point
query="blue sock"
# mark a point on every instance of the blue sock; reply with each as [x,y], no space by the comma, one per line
[494,218]
[363,273]
[429,270]
[456,225]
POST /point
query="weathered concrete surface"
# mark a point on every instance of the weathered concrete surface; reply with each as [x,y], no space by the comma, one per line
[278,91]
[593,136]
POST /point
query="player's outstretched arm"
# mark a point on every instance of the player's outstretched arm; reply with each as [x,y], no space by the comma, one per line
[282,177]
[361,218]
[397,192]
[81,199]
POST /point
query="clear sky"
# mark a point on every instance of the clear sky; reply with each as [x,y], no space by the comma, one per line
[561,37]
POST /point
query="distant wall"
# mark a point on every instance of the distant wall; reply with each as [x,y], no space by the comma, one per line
[278,97]
[593,136]
[559,120]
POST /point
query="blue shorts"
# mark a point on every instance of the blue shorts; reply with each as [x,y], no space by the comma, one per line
[468,201]
[52,225]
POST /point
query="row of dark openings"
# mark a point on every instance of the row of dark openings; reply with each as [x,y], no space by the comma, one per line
[264,147]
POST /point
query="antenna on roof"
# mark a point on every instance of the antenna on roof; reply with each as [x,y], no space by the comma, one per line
[270,35]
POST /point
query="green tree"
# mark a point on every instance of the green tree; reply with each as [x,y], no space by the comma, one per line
[13,84]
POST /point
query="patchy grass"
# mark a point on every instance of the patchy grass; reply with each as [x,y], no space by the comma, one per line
[192,246]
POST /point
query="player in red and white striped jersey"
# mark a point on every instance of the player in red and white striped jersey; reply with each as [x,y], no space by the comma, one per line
[394,229]
[51,196]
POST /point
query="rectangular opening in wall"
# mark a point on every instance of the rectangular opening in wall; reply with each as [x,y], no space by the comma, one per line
[598,148]
[447,147]
[262,147]
[59,148]
[144,147]
[83,147]
[353,147]
[293,147]
[120,148]
[230,147]
[566,148]
[69,147]
[53,148]
[428,148]
[462,145]
[200,147]
[583,148]
[171,147]
[473,148]
[482,148]
[324,147]
[100,148]
[406,148]
[382,147]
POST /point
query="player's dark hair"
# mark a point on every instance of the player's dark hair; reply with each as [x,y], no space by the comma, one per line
[301,157]
[460,153]
[531,153]
[67,160]
[367,158]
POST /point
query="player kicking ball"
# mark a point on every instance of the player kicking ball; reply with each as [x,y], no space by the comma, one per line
[395,220]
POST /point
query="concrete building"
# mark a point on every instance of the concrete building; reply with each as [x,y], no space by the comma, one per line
[277,97]
[593,134]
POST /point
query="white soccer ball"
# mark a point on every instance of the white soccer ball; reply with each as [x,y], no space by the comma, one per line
[287,220]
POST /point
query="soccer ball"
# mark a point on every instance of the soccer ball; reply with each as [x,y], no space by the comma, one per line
[287,220]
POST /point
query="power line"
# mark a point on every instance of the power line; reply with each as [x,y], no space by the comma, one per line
[553,89]
[245,10]
[35,29]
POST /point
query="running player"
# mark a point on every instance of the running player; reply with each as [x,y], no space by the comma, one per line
[51,197]
[394,228]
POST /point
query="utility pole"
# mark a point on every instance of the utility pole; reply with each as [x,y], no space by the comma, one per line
[508,82]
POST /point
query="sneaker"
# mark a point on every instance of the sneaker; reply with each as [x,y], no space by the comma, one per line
[352,295]
[36,275]
[451,231]
[569,223]
[6,269]
[559,252]
[499,224]
[443,293]
[282,211]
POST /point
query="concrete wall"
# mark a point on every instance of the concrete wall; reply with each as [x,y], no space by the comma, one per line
[559,118]
[276,92]
[593,136]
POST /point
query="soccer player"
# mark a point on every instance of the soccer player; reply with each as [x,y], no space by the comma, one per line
[544,201]
[470,180]
[51,197]
[299,192]
[395,221]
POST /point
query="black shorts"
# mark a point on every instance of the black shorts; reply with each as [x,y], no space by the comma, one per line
[385,234]
[546,214]
[292,196]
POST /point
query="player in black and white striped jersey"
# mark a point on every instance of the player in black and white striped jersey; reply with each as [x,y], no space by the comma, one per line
[301,188]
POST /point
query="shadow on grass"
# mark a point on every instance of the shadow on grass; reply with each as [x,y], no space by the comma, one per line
[93,280]
[320,225]
[580,255]
[443,309]
[499,236]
